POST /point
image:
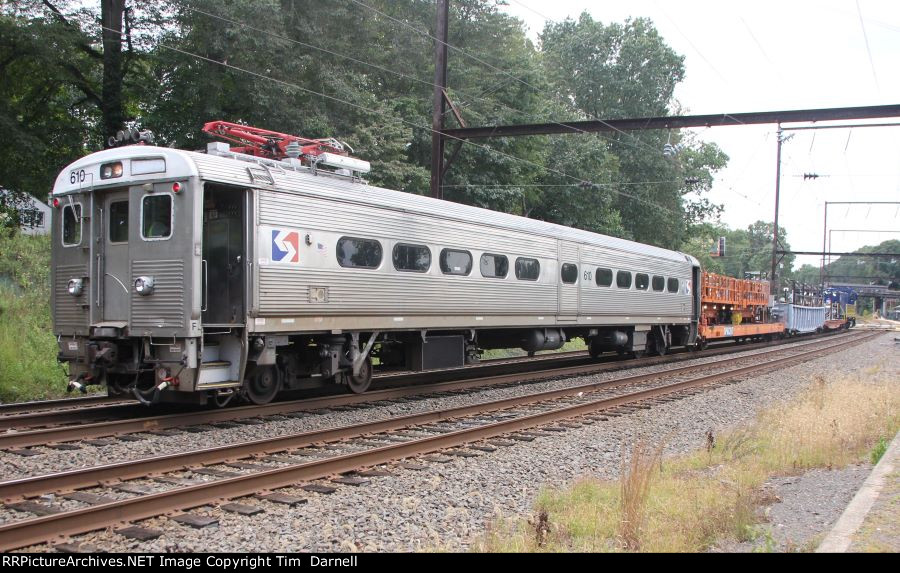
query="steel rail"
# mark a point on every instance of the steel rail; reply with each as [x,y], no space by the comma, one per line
[29,438]
[122,409]
[29,414]
[510,365]
[36,405]
[66,481]
[28,532]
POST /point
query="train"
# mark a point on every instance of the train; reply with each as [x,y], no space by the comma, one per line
[266,263]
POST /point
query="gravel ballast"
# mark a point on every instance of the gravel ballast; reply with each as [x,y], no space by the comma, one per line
[447,505]
[149,445]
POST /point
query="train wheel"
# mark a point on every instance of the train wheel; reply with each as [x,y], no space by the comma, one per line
[263,385]
[360,383]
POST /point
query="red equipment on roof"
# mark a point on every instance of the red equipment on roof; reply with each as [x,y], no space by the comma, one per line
[271,144]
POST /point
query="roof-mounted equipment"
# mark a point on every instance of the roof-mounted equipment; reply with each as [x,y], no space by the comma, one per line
[280,146]
[131,137]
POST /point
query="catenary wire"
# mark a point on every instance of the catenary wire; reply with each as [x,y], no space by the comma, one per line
[411,124]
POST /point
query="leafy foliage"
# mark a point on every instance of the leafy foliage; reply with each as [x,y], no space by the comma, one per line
[748,252]
[627,70]
[363,73]
[28,368]
[883,271]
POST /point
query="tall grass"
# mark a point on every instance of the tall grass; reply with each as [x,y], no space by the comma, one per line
[28,367]
[637,474]
[689,503]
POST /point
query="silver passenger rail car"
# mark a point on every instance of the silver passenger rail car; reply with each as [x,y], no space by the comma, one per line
[198,277]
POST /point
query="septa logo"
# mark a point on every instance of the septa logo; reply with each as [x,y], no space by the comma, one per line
[285,246]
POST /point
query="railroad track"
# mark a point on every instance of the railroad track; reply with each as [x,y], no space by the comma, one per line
[21,412]
[26,431]
[24,408]
[80,410]
[96,408]
[325,453]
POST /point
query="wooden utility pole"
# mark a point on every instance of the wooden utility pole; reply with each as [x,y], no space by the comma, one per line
[440,84]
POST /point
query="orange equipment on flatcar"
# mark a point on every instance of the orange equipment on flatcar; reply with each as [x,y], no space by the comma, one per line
[735,308]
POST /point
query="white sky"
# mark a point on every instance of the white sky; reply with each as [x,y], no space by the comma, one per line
[781,55]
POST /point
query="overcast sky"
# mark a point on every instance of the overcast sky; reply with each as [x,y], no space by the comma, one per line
[781,55]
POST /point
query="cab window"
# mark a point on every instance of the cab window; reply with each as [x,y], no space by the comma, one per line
[71,235]
[156,217]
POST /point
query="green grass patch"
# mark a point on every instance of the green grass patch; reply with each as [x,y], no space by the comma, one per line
[878,451]
[570,346]
[28,367]
[690,503]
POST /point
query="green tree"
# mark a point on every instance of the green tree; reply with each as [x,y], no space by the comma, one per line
[45,118]
[748,252]
[862,270]
[363,74]
[627,70]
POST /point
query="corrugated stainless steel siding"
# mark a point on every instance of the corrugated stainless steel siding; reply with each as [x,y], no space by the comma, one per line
[233,171]
[324,203]
[70,312]
[611,301]
[285,292]
[164,308]
[287,210]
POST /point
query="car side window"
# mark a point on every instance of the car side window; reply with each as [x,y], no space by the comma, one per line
[569,273]
[527,269]
[603,277]
[359,253]
[494,266]
[412,258]
[456,262]
[641,281]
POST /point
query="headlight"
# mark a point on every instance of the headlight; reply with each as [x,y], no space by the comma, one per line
[76,287]
[143,285]
[111,170]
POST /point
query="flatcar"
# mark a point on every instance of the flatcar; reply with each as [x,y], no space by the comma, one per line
[736,309]
[183,276]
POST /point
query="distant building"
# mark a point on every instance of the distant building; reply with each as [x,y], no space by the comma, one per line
[34,215]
